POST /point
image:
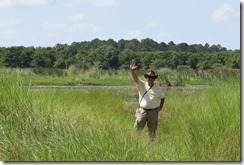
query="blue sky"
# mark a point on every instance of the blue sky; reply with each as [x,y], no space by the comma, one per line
[48,22]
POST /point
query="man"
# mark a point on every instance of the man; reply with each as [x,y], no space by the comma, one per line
[149,96]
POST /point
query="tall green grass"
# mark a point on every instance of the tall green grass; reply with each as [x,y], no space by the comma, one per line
[206,122]
[97,124]
[47,76]
[94,76]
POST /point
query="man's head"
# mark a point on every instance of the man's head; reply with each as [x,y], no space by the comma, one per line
[150,76]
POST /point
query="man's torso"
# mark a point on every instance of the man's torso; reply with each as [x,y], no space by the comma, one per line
[150,99]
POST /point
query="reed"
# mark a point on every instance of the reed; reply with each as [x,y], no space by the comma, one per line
[97,124]
[94,76]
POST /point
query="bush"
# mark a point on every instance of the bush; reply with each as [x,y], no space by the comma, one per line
[48,71]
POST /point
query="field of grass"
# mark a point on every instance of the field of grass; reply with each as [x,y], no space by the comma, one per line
[96,124]
[73,76]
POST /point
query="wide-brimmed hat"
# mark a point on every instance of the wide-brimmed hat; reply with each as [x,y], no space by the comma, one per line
[151,74]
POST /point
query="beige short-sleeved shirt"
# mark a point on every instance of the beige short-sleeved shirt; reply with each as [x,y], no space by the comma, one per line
[152,97]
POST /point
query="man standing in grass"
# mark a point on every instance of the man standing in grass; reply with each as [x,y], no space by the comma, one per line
[149,106]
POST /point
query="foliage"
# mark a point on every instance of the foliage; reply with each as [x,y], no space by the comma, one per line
[117,55]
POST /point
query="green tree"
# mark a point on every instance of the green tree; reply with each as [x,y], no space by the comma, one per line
[60,55]
[107,56]
[148,45]
[171,45]
[132,45]
[163,59]
[11,56]
[125,57]
[111,42]
[95,43]
[192,60]
[146,59]
[205,62]
[163,46]
[234,59]
[157,63]
[43,57]
[25,57]
[121,45]
[111,54]
[2,54]
[60,63]
[180,58]
[199,48]
[182,47]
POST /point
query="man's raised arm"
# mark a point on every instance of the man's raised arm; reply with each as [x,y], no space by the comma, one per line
[132,69]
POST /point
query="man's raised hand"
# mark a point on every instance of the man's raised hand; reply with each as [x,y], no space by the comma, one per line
[133,65]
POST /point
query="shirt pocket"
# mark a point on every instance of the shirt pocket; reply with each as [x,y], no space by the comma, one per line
[152,94]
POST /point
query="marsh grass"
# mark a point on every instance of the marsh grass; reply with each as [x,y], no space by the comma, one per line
[208,121]
[94,76]
[97,124]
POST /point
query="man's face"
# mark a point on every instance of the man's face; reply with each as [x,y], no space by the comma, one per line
[150,79]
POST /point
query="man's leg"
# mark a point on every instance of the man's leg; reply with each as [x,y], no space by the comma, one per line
[141,120]
[152,123]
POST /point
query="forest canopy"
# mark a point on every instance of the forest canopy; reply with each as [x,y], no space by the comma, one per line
[109,54]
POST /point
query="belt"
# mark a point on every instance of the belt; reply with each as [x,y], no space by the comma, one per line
[148,109]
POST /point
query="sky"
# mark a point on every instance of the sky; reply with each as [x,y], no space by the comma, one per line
[50,22]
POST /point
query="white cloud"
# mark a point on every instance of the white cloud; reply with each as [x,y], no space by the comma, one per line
[69,5]
[162,36]
[8,32]
[222,14]
[134,34]
[32,2]
[78,17]
[86,27]
[97,3]
[76,27]
[151,24]
[56,27]
[104,3]
[5,3]
[10,21]
[16,3]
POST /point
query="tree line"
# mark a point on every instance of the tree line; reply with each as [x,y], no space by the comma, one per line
[109,54]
